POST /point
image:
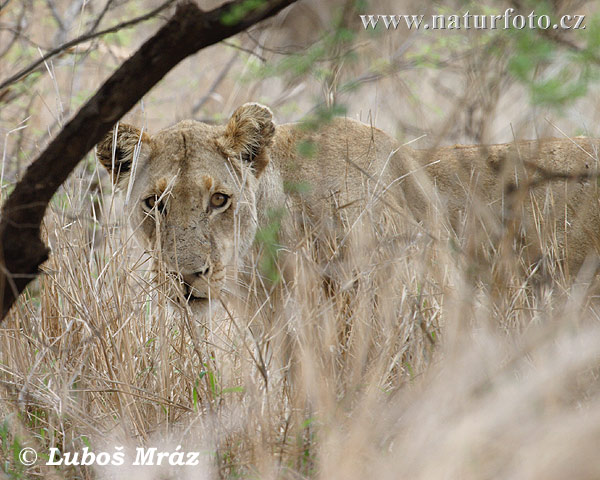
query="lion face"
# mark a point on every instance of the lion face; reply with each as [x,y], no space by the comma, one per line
[192,191]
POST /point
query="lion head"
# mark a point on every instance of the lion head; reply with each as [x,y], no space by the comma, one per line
[192,192]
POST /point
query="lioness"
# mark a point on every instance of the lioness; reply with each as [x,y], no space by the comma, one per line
[199,192]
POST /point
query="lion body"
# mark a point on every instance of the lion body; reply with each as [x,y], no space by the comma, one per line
[547,188]
[184,173]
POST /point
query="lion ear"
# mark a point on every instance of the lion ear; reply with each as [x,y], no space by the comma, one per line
[248,135]
[117,154]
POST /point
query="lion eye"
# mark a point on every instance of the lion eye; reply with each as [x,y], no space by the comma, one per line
[218,200]
[152,202]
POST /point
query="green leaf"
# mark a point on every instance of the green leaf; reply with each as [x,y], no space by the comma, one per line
[239,11]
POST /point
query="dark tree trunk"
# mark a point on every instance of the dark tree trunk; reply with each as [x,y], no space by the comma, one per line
[189,30]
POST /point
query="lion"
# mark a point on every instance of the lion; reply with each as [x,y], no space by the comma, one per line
[198,193]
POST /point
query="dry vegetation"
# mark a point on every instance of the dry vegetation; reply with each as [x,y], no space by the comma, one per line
[412,360]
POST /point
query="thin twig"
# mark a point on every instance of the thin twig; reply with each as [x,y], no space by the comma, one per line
[15,32]
[245,50]
[83,38]
[215,84]
[56,15]
[100,17]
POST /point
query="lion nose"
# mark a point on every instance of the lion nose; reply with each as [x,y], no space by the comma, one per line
[203,272]
[190,277]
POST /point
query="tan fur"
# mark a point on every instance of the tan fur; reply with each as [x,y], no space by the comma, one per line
[544,192]
[353,167]
[208,181]
[161,185]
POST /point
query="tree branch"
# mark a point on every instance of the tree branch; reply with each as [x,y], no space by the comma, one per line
[81,39]
[189,30]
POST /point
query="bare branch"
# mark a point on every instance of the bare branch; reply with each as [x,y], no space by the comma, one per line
[214,85]
[101,16]
[83,38]
[16,33]
[56,15]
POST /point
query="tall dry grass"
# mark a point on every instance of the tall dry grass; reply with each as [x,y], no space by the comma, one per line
[393,360]
[402,358]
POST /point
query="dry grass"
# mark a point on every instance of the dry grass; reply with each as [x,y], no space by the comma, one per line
[400,364]
[405,361]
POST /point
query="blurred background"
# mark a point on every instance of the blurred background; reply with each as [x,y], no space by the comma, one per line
[452,86]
